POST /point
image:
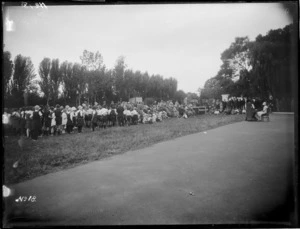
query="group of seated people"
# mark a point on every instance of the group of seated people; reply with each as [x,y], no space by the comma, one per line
[253,108]
[44,120]
[232,106]
[253,113]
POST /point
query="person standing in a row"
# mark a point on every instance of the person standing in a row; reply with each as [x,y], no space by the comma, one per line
[58,119]
[250,110]
[80,121]
[69,120]
[36,122]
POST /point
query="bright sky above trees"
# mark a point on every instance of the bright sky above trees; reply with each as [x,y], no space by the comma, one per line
[183,41]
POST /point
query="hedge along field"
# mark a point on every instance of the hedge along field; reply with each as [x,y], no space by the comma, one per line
[51,154]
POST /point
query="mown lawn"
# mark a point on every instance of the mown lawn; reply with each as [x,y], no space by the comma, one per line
[50,154]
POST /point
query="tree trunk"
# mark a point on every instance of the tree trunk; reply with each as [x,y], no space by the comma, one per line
[79,98]
[25,98]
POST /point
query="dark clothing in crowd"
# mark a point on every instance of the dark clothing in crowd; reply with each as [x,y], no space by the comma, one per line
[69,123]
[58,118]
[257,104]
[47,119]
[94,121]
[250,112]
[36,125]
[80,122]
[121,117]
[235,104]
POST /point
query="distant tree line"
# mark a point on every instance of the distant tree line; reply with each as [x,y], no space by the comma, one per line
[261,68]
[74,83]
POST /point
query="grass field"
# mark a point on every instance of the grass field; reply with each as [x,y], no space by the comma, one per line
[50,154]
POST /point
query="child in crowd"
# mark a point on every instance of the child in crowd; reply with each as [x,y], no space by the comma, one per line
[88,116]
[23,121]
[134,116]
[80,122]
[127,115]
[58,119]
[53,121]
[69,124]
[64,120]
[47,121]
[94,120]
[28,121]
[74,119]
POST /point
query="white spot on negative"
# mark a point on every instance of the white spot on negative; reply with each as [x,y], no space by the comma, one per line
[10,26]
[15,165]
[6,191]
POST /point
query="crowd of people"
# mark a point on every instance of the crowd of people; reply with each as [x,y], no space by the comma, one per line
[39,121]
[236,105]
[232,106]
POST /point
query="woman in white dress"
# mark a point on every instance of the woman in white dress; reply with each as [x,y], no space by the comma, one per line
[53,121]
[64,120]
[264,111]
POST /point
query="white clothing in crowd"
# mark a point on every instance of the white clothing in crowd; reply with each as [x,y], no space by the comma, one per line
[127,112]
[103,111]
[70,113]
[5,118]
[89,111]
[264,111]
[79,112]
[134,112]
[98,111]
[64,118]
[53,122]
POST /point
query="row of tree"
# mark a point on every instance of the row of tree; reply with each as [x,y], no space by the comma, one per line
[74,83]
[264,68]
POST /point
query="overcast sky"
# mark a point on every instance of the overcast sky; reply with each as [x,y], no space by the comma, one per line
[183,41]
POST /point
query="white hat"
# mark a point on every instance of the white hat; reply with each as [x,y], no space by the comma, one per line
[73,108]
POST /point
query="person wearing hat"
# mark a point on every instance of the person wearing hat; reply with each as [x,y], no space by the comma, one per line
[64,120]
[53,122]
[58,119]
[112,115]
[264,111]
[47,121]
[120,115]
[79,116]
[22,121]
[127,116]
[103,116]
[88,116]
[69,124]
[28,121]
[94,119]
[74,119]
[135,116]
[36,122]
